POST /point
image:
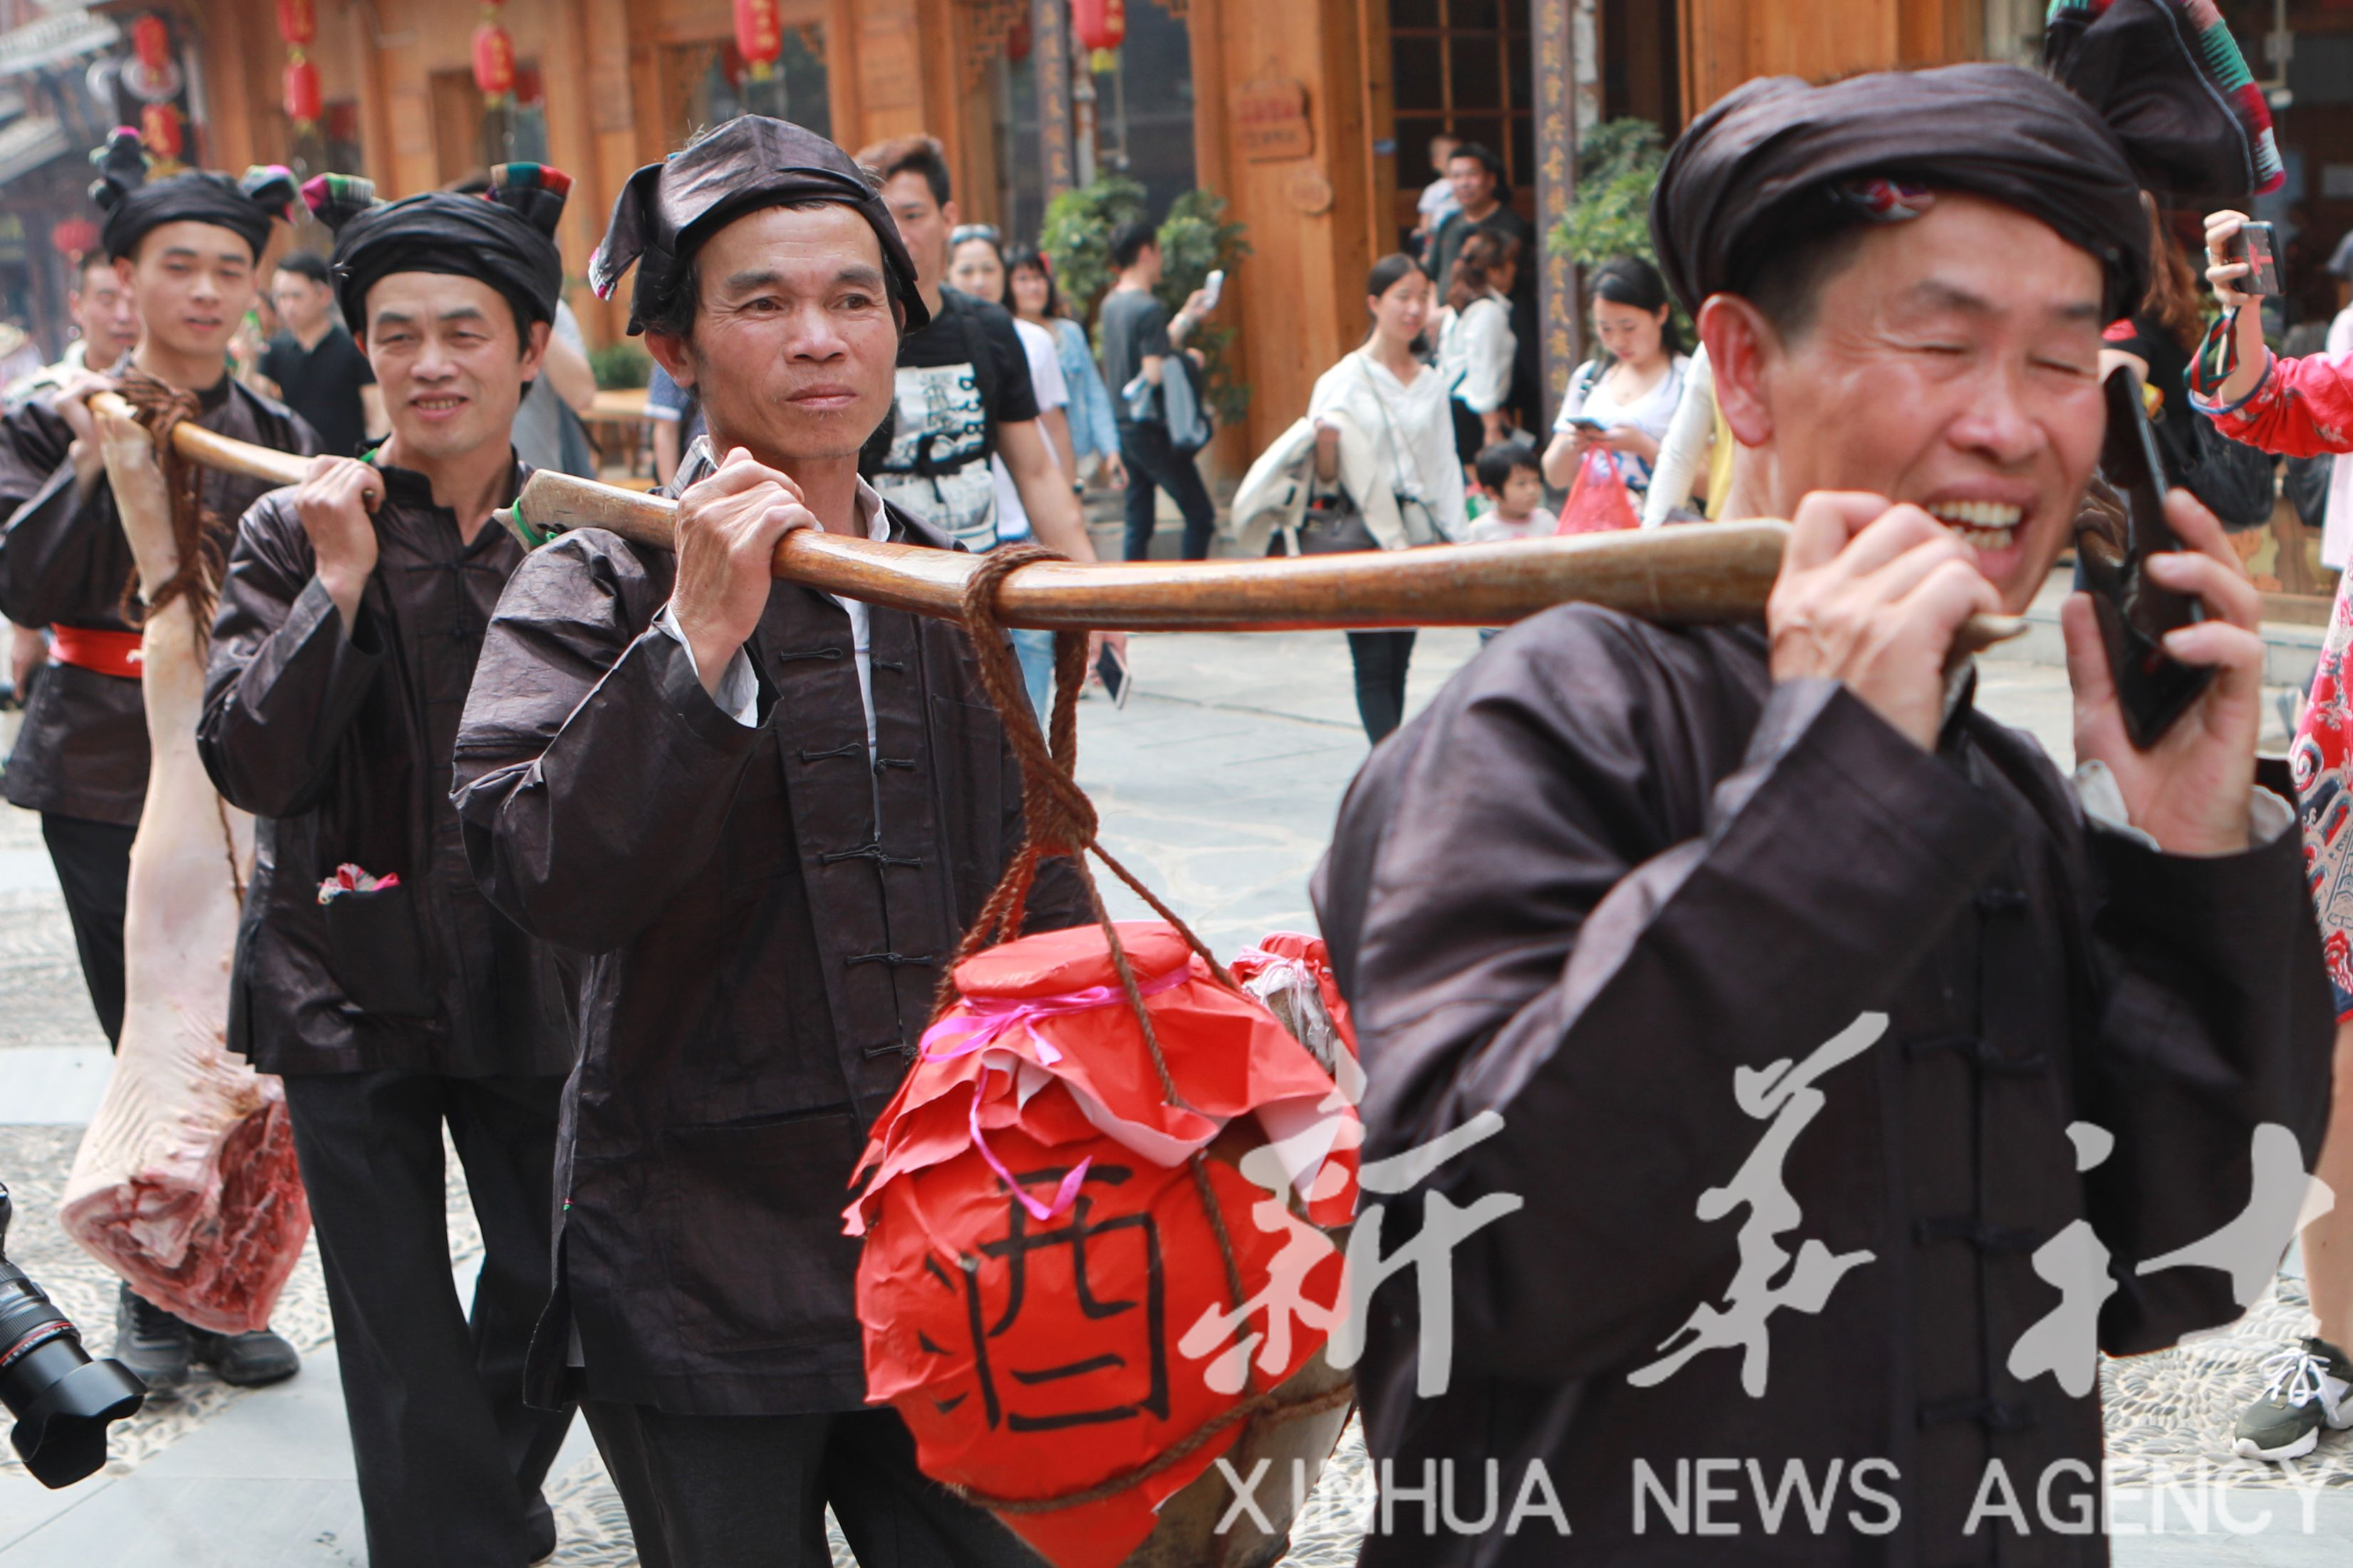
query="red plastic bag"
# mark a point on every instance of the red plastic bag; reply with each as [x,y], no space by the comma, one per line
[1598,501]
[1043,1292]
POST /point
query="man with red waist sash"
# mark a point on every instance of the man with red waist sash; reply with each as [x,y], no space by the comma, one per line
[189,249]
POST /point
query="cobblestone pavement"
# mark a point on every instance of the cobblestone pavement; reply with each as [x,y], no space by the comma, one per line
[1216,785]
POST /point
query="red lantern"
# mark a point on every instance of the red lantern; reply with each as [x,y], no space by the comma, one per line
[75,237]
[1099,24]
[494,61]
[302,97]
[151,42]
[298,22]
[759,35]
[1017,42]
[159,130]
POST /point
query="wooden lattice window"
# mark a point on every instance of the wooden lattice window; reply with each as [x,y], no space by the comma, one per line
[1461,67]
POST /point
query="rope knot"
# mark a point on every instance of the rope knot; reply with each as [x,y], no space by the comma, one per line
[197,533]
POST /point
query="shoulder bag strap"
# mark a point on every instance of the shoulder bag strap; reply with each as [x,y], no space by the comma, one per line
[1397,455]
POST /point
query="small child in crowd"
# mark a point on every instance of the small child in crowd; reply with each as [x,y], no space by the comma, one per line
[1508,474]
[1513,485]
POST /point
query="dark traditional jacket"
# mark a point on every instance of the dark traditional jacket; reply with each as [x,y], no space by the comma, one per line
[340,747]
[763,952]
[82,751]
[1610,880]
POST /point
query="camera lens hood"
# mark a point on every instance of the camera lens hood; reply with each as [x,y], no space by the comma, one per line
[60,1434]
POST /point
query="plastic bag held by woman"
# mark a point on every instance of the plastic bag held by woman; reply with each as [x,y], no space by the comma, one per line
[1598,501]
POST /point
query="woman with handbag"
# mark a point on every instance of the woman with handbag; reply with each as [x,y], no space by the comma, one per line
[1617,405]
[1385,447]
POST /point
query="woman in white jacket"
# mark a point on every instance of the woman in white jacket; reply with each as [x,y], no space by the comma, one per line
[1475,342]
[1399,406]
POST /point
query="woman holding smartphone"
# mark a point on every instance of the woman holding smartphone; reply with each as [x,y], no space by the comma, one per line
[2301,407]
[1623,399]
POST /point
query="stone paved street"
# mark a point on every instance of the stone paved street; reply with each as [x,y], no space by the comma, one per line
[1216,785]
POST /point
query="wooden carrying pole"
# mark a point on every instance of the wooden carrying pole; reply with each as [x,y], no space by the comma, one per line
[198,444]
[1677,576]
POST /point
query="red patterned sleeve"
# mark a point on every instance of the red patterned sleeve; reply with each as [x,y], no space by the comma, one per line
[2301,407]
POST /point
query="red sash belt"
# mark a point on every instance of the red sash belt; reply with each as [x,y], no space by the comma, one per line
[87,647]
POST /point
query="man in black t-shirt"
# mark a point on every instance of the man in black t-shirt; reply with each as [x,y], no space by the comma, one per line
[314,367]
[961,379]
[964,392]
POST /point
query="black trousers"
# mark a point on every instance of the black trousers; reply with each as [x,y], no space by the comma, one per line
[1381,659]
[1470,431]
[93,862]
[1153,463]
[449,1457]
[750,1491]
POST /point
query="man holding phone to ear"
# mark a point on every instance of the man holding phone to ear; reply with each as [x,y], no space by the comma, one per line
[1624,894]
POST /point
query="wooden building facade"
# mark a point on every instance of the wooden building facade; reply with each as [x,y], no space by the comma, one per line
[1309,116]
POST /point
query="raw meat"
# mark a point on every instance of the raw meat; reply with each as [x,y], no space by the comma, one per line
[185,1184]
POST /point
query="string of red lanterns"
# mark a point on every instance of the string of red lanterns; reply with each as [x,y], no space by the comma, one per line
[1101,26]
[151,41]
[298,24]
[302,93]
[759,35]
[159,133]
[494,56]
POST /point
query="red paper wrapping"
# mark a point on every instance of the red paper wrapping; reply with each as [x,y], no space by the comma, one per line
[1044,1298]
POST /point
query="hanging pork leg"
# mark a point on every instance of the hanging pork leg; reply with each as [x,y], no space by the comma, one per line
[185,1184]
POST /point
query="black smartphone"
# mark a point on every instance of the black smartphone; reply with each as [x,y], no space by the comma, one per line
[2258,246]
[1113,670]
[2152,688]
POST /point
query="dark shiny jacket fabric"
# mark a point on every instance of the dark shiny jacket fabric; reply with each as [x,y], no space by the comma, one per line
[341,745]
[82,751]
[763,957]
[1614,865]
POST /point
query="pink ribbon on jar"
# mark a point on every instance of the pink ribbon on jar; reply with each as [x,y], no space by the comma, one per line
[979,1022]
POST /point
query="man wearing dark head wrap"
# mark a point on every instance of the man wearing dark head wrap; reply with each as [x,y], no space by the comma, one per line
[1854,1077]
[188,248]
[769,815]
[350,622]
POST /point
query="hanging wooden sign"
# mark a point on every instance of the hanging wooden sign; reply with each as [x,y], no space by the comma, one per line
[1273,119]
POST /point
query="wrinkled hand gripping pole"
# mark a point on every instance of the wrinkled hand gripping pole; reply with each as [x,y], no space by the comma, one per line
[185,1184]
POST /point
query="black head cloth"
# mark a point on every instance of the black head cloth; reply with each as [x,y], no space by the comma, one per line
[667,209]
[135,206]
[2168,79]
[1779,159]
[504,237]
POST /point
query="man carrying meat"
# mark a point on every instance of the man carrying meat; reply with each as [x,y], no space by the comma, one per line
[349,625]
[189,250]
[768,814]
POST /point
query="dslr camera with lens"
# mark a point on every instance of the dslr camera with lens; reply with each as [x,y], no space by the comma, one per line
[61,1399]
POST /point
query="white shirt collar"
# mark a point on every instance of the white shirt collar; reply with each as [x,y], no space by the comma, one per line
[870,512]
